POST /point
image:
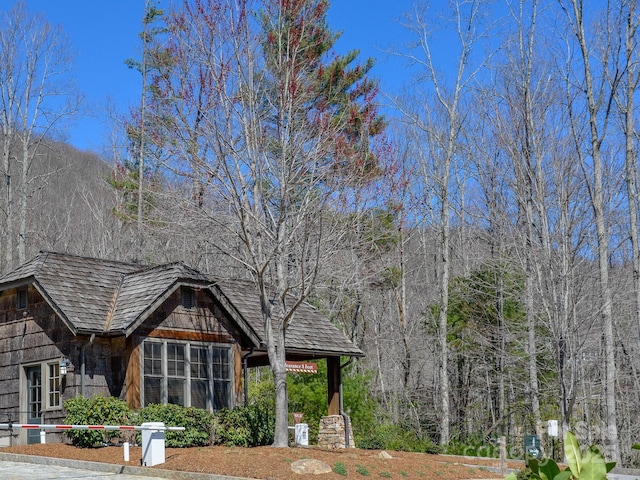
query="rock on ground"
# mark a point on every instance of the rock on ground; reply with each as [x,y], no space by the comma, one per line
[310,466]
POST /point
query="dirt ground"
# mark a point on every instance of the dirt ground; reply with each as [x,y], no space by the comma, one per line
[271,463]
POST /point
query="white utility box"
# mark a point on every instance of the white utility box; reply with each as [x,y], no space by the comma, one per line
[302,434]
[152,443]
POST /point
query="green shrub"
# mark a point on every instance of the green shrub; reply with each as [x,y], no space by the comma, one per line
[340,469]
[97,411]
[198,424]
[389,436]
[249,426]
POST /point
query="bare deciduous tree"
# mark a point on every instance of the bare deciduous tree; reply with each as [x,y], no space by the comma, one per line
[436,118]
[35,96]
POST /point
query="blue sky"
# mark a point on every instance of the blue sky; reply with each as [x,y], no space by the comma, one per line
[105,33]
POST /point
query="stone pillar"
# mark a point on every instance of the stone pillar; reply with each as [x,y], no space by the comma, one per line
[331,433]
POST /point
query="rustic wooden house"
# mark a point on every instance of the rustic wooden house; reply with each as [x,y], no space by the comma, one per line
[73,325]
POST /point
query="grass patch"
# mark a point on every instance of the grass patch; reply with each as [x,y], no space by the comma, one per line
[403,473]
[340,469]
[362,470]
[385,474]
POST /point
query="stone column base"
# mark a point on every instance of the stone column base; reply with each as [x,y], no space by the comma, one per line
[331,433]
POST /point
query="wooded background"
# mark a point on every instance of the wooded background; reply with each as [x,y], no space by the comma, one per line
[479,243]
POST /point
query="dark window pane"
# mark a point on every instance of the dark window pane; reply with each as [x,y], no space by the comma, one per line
[221,395]
[176,391]
[199,393]
[152,390]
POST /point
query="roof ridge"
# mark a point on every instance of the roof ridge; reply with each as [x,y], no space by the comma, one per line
[49,253]
[114,302]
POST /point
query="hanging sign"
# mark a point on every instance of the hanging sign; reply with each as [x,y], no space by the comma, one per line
[301,367]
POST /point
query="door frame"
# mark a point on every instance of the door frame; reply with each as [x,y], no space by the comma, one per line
[26,434]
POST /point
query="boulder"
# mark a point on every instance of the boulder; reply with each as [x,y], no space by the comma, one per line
[310,466]
[384,456]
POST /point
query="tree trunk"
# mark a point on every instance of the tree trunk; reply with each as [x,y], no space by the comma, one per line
[275,331]
[443,248]
[598,206]
[631,175]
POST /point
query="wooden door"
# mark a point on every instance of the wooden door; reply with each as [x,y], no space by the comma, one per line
[34,401]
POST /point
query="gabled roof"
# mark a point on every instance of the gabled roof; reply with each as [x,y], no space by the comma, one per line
[113,298]
[309,330]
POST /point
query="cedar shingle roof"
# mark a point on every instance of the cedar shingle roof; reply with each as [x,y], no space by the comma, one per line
[309,329]
[105,297]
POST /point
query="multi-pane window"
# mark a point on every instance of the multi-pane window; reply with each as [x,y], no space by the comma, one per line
[43,387]
[53,376]
[221,378]
[187,374]
[176,378]
[199,377]
[153,375]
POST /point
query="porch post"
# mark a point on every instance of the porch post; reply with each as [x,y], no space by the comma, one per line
[333,385]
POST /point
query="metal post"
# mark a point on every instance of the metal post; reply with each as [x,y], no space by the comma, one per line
[125,448]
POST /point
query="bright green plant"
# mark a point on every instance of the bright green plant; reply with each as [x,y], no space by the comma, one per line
[362,470]
[96,411]
[340,469]
[581,465]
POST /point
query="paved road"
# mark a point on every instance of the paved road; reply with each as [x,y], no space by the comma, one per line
[28,467]
[31,471]
[624,474]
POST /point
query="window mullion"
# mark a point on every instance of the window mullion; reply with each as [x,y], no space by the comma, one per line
[187,375]
[165,373]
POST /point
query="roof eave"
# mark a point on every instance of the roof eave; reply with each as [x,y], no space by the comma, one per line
[311,353]
[21,282]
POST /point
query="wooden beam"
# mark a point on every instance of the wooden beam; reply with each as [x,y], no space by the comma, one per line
[132,381]
[333,385]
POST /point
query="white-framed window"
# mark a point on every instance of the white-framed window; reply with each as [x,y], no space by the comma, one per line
[44,386]
[191,374]
[54,382]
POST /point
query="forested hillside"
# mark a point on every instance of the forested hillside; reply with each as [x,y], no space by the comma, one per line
[479,241]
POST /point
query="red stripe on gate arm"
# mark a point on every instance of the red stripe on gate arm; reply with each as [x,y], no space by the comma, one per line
[67,427]
[96,427]
[31,426]
[125,427]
